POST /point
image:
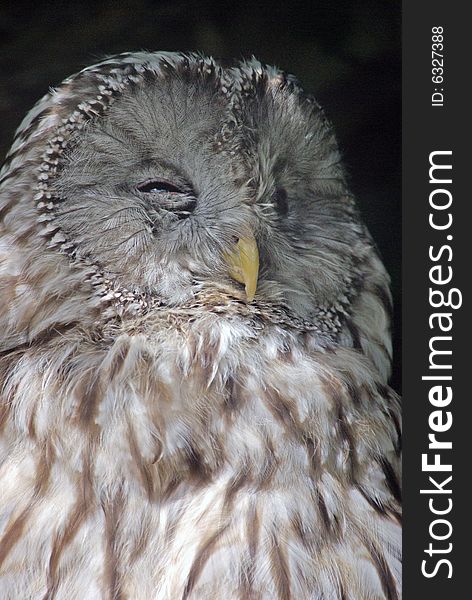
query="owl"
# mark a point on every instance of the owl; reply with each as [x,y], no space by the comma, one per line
[195,346]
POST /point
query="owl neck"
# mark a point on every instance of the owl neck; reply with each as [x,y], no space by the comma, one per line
[179,402]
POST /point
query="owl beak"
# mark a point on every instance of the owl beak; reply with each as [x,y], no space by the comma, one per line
[243,262]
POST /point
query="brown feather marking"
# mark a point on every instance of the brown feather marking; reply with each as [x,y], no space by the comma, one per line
[232,399]
[24,134]
[112,510]
[202,366]
[373,502]
[354,331]
[384,297]
[171,485]
[286,354]
[396,515]
[77,517]
[198,468]
[398,442]
[383,390]
[25,236]
[90,392]
[13,533]
[201,558]
[118,360]
[32,423]
[391,479]
[15,530]
[387,511]
[253,531]
[284,411]
[323,511]
[300,529]
[385,575]
[381,346]
[5,209]
[346,434]
[23,168]
[156,392]
[314,457]
[43,469]
[140,543]
[355,394]
[334,390]
[269,466]
[9,294]
[235,484]
[280,570]
[248,566]
[144,469]
[4,414]
[7,363]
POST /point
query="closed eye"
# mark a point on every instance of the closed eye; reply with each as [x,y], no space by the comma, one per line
[155,186]
[161,194]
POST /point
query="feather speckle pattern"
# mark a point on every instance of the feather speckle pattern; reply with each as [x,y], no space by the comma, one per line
[163,436]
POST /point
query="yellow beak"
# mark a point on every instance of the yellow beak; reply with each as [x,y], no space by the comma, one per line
[243,263]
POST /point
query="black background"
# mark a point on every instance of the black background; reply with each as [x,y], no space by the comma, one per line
[347,53]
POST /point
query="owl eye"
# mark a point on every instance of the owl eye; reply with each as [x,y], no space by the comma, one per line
[164,195]
[155,186]
[280,201]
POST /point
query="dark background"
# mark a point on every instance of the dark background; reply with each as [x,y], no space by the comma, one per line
[427,129]
[347,53]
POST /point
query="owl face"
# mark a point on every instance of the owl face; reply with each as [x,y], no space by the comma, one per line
[189,170]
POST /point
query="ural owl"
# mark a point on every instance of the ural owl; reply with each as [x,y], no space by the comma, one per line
[194,346]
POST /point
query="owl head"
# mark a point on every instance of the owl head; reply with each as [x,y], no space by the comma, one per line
[150,178]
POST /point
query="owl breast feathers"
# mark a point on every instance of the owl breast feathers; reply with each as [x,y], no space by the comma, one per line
[194,347]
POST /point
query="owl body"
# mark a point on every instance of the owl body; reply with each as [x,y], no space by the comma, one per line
[164,435]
